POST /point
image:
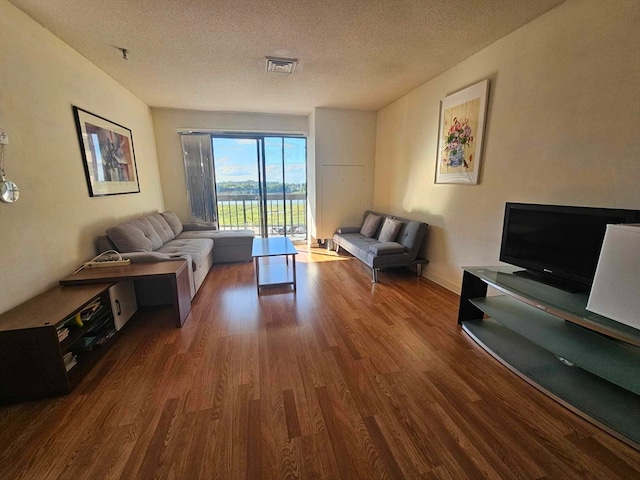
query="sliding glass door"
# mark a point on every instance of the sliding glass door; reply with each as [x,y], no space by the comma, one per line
[260,183]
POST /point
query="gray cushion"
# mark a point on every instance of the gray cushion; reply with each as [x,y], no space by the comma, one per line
[412,235]
[222,238]
[173,221]
[386,248]
[162,228]
[370,225]
[135,236]
[390,230]
[198,248]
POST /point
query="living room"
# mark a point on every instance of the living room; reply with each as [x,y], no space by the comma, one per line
[561,124]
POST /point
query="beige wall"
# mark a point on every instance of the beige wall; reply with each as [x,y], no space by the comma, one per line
[52,228]
[167,122]
[344,149]
[562,128]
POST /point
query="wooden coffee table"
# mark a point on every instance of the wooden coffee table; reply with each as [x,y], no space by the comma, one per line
[274,275]
[175,271]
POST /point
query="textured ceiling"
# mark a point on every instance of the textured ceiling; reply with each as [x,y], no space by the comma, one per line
[209,54]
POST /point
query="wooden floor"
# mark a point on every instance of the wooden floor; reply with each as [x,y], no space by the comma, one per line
[343,379]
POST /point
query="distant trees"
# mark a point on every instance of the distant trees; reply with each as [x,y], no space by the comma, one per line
[250,187]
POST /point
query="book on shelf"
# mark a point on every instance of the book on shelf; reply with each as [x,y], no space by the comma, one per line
[70,360]
[87,314]
[63,332]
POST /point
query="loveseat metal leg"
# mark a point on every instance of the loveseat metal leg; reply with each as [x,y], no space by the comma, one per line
[374,273]
[419,270]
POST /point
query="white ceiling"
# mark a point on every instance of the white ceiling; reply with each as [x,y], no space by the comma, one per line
[209,54]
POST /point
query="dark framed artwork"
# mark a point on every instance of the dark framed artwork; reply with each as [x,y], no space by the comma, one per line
[107,154]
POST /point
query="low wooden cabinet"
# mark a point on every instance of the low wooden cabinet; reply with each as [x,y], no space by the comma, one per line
[589,363]
[37,357]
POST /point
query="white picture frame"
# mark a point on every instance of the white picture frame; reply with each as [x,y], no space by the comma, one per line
[460,135]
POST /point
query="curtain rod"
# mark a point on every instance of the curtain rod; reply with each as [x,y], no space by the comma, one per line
[244,133]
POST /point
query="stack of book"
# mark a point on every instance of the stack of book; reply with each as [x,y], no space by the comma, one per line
[87,314]
[63,332]
[70,360]
[100,330]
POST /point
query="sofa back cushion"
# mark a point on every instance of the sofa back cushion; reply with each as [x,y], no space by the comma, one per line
[173,221]
[411,236]
[137,235]
[162,228]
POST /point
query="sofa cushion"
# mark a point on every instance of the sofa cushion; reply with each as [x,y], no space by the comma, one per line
[390,230]
[411,236]
[162,228]
[370,225]
[173,221]
[386,248]
[197,248]
[222,238]
[135,236]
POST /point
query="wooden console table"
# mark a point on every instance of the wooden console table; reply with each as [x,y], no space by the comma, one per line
[32,355]
[175,271]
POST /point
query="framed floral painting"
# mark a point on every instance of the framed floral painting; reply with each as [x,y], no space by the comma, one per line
[462,118]
[107,155]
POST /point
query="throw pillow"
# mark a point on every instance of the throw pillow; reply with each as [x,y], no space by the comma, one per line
[390,230]
[370,225]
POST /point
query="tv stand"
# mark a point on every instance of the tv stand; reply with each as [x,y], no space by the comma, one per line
[588,363]
[566,285]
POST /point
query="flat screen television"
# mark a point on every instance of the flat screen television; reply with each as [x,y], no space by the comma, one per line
[558,245]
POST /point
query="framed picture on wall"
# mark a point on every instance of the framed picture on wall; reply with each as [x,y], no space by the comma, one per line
[462,118]
[107,154]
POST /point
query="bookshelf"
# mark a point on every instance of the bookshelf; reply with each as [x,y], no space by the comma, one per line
[44,350]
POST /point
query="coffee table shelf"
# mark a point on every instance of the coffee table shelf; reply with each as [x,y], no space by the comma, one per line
[271,275]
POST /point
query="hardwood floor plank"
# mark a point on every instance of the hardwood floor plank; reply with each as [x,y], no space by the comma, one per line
[291,414]
[345,462]
[162,433]
[382,447]
[341,379]
[254,459]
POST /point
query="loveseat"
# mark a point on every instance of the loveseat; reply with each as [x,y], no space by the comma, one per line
[384,241]
[162,237]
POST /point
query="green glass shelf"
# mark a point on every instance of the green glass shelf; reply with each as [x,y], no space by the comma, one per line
[614,361]
[568,306]
[613,408]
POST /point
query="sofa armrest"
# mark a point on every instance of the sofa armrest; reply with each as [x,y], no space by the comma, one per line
[199,226]
[386,248]
[348,230]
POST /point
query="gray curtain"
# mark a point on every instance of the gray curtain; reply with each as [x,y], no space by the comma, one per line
[200,177]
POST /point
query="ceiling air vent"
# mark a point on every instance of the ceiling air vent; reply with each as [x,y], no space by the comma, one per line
[281,65]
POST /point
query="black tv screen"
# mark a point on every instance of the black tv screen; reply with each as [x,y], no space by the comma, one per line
[558,242]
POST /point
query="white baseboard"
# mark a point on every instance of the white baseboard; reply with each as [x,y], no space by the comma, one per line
[454,287]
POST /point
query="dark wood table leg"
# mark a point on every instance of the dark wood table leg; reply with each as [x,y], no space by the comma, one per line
[182,303]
